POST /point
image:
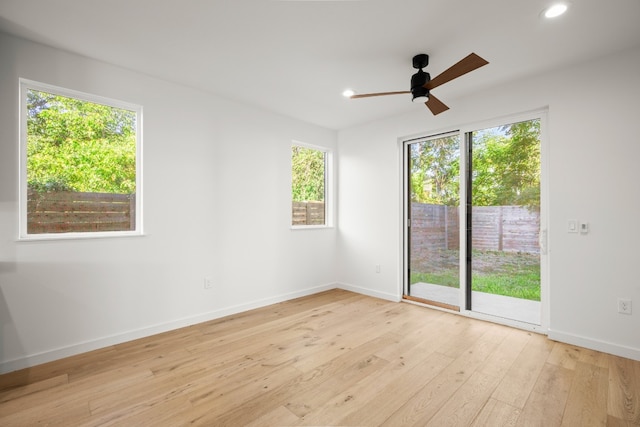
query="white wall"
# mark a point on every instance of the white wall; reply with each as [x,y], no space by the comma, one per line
[594,152]
[216,203]
[63,297]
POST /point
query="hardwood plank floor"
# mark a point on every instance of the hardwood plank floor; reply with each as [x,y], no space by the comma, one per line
[335,359]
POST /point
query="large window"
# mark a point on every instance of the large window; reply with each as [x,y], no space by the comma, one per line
[80,164]
[309,184]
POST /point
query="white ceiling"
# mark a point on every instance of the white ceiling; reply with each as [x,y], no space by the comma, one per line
[296,57]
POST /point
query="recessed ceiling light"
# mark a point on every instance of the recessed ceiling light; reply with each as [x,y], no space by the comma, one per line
[555,10]
[348,93]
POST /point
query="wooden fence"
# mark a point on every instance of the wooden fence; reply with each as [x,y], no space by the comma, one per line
[308,213]
[506,228]
[66,211]
[434,227]
[495,228]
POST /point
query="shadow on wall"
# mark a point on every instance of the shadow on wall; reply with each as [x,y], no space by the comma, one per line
[8,330]
[36,317]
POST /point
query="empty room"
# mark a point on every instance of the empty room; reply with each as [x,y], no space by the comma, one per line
[319,212]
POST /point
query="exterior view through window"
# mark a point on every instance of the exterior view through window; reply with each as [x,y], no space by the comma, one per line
[435,233]
[505,206]
[499,222]
[79,163]
[308,186]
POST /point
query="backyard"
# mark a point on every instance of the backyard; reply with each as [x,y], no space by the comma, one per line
[514,274]
[503,177]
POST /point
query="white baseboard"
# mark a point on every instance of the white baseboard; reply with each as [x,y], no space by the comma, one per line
[586,342]
[83,347]
[593,344]
[369,292]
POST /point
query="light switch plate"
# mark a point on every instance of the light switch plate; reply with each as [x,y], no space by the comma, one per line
[572,226]
[584,227]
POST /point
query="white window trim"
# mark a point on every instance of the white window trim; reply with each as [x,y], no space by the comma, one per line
[25,85]
[328,187]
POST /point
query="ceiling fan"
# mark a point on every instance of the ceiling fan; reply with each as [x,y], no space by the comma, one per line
[421,82]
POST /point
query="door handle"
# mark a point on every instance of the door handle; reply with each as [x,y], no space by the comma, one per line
[542,241]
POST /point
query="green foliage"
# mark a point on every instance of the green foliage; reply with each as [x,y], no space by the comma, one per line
[449,278]
[77,145]
[435,168]
[505,162]
[511,274]
[506,165]
[524,285]
[308,174]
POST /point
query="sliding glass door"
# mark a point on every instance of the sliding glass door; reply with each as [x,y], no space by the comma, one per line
[497,172]
[504,206]
[434,212]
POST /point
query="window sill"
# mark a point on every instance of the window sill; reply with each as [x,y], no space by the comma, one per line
[79,236]
[310,227]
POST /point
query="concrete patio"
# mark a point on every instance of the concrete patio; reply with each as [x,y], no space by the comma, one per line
[496,305]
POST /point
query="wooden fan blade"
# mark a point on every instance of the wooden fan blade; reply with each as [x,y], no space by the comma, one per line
[368,95]
[462,67]
[435,105]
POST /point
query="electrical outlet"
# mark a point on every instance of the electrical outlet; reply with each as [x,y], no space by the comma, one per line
[624,306]
[208,283]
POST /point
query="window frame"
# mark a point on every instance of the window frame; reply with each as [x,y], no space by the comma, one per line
[328,187]
[24,86]
[405,220]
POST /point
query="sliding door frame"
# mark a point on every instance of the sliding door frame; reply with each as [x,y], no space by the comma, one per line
[465,133]
[406,212]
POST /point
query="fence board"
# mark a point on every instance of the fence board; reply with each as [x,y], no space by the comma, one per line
[496,228]
[308,213]
[40,228]
[66,211]
[78,206]
[80,196]
[77,217]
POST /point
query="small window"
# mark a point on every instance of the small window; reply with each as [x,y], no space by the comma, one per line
[309,183]
[80,164]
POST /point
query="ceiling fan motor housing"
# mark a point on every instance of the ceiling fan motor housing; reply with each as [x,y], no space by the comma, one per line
[418,80]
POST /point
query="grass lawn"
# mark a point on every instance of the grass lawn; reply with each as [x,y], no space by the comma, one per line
[501,273]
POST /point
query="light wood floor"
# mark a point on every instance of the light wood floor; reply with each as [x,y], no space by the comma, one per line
[332,359]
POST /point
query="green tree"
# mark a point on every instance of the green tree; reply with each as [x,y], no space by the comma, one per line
[77,145]
[435,168]
[308,174]
[506,165]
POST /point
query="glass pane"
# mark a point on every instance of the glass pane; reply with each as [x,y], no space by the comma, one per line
[434,252]
[81,165]
[505,212]
[308,179]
